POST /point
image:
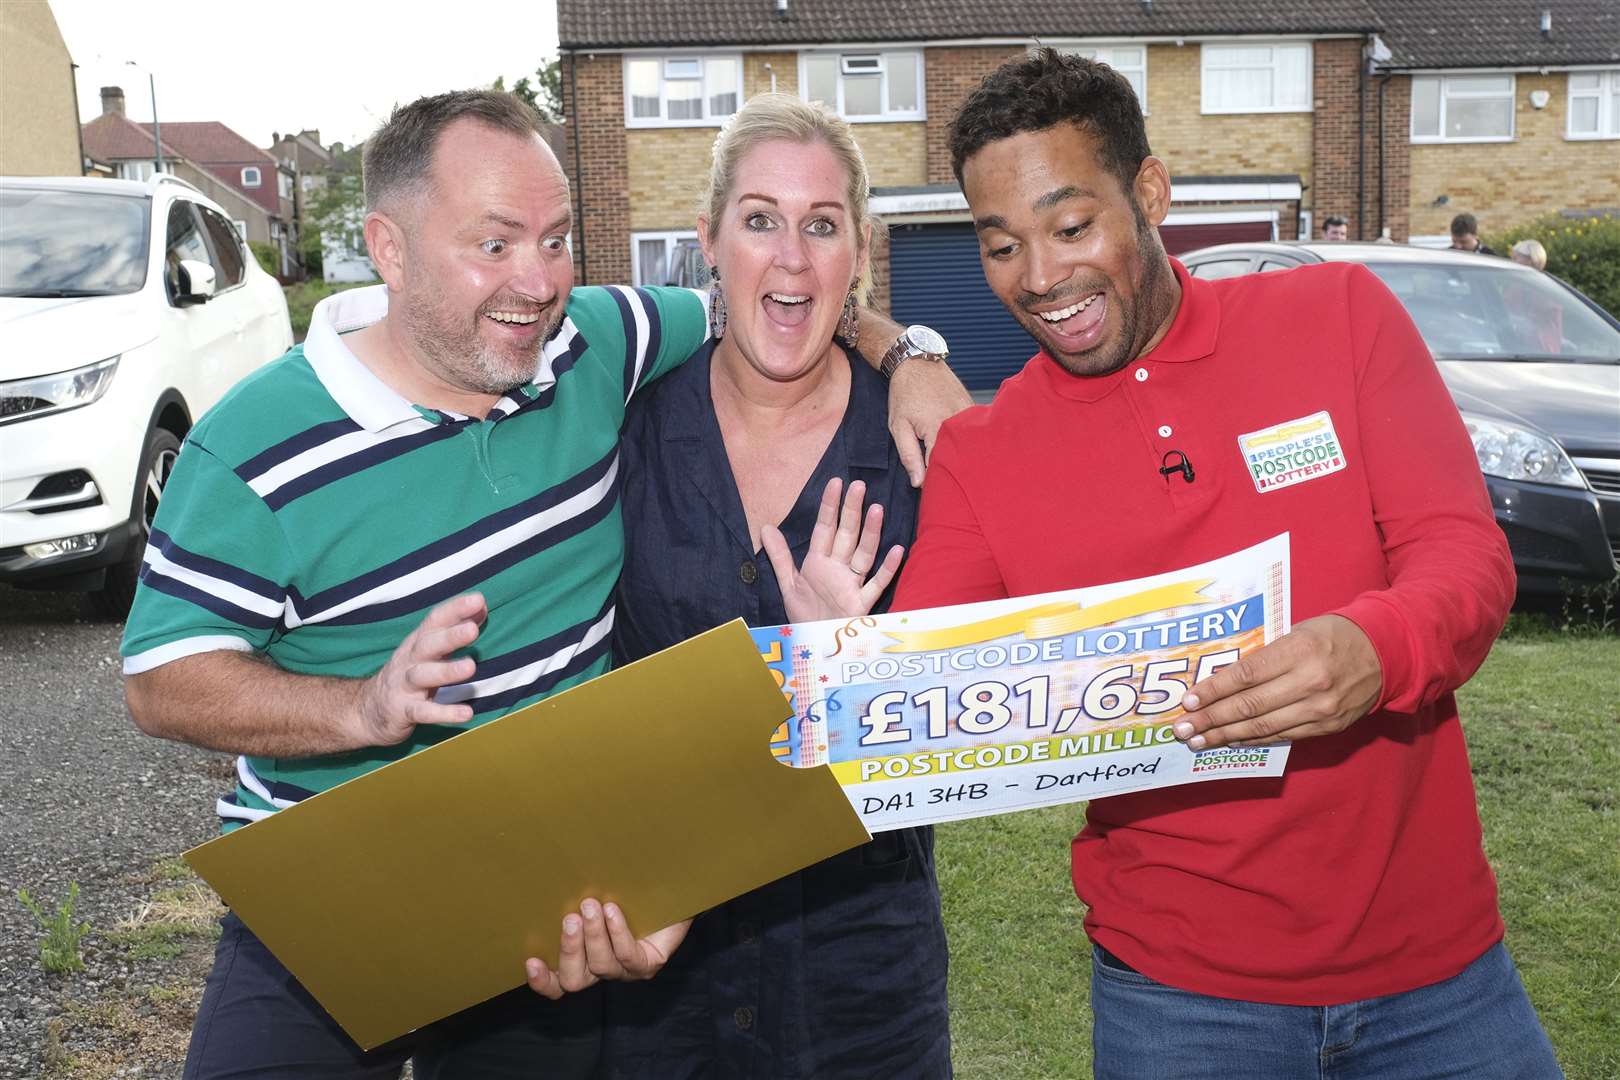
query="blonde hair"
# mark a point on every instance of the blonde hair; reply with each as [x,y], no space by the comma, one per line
[1532,251]
[780,117]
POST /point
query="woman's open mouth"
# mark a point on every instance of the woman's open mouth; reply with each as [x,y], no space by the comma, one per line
[787,309]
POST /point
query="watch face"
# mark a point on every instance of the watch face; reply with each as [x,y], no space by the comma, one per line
[927,339]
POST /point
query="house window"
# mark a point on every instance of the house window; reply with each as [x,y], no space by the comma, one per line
[135,170]
[865,86]
[241,228]
[1129,60]
[284,185]
[667,258]
[1462,108]
[250,176]
[676,91]
[1257,78]
[1594,105]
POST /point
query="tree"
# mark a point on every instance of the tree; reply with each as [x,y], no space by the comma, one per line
[543,92]
[338,208]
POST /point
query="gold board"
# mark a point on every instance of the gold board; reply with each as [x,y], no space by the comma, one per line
[418,890]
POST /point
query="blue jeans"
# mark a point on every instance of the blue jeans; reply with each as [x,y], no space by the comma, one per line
[1477,1025]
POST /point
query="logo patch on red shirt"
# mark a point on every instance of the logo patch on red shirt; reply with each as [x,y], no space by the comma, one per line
[1292,452]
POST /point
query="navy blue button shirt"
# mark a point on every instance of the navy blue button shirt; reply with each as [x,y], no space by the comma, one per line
[838,970]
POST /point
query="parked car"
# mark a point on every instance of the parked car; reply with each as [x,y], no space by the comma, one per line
[126,310]
[1534,367]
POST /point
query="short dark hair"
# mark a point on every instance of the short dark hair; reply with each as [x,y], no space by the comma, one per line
[1335,219]
[399,157]
[1047,88]
[1464,225]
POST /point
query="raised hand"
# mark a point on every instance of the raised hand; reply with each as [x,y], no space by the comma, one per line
[401,695]
[833,581]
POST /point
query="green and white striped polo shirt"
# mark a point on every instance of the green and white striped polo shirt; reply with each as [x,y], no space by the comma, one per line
[315,516]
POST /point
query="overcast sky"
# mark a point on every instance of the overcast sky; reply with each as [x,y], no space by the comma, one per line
[336,65]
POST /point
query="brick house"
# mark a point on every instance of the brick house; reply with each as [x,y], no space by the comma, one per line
[1270,118]
[1504,110]
[130,151]
[254,172]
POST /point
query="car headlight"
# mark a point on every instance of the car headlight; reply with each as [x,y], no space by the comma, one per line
[1518,453]
[24,399]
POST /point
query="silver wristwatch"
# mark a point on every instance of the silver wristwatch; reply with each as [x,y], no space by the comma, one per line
[918,341]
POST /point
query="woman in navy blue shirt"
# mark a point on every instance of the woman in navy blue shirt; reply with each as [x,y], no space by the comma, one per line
[838,970]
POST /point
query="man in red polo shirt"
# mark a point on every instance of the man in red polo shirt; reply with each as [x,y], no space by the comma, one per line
[1340,920]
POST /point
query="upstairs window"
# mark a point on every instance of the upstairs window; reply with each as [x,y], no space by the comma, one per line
[1257,78]
[864,86]
[681,91]
[1462,108]
[1594,105]
[251,177]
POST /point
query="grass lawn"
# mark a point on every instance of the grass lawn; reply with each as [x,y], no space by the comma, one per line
[1542,719]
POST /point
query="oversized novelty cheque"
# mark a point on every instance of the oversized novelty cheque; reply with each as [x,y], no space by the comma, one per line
[977,709]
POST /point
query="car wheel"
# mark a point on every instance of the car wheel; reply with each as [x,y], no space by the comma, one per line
[157,462]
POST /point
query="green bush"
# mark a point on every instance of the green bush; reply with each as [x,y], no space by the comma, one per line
[267,257]
[1583,251]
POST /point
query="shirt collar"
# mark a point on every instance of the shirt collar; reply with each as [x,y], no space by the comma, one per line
[369,401]
[1192,336]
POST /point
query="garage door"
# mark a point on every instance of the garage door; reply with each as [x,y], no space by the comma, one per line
[1179,239]
[935,279]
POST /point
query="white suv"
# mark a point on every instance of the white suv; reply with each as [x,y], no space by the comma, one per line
[126,310]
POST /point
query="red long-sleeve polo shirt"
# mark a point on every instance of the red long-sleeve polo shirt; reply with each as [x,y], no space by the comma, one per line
[1360,871]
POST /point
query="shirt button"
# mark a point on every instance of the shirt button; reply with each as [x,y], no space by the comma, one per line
[746,933]
[1164,431]
[1141,374]
[748,572]
[744,1016]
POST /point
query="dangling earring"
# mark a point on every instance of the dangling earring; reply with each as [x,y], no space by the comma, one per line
[717,306]
[849,323]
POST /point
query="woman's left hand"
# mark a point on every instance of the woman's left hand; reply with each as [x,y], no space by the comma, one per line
[832,583]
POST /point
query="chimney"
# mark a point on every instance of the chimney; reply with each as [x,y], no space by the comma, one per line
[112,100]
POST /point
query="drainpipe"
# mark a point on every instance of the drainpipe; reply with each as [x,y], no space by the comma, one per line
[1382,83]
[78,128]
[579,167]
[1361,142]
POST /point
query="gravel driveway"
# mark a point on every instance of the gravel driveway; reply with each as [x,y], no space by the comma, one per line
[86,798]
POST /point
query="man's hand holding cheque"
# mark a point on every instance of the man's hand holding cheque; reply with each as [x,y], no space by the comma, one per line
[1317,680]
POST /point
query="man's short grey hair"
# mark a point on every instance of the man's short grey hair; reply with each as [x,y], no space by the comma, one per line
[399,157]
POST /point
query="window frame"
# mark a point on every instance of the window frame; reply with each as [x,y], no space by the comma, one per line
[1204,68]
[258,176]
[669,237]
[142,170]
[209,217]
[1103,52]
[1608,99]
[1512,97]
[887,115]
[663,60]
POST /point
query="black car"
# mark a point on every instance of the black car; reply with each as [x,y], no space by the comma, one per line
[1534,367]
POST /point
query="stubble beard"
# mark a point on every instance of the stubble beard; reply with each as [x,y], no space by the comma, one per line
[459,353]
[1149,307]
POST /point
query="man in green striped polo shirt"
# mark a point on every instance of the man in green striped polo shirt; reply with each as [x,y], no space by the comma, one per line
[406,526]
